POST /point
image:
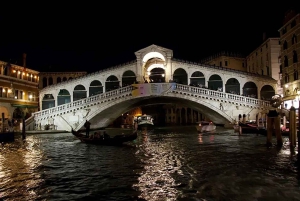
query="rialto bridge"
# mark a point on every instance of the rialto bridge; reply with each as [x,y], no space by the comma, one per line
[154,77]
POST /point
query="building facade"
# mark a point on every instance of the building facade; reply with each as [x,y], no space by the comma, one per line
[234,61]
[264,60]
[50,78]
[290,55]
[19,92]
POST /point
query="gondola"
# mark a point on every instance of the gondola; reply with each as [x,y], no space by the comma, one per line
[248,127]
[105,139]
[7,136]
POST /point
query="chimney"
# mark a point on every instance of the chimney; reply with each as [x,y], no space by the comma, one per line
[24,60]
[264,37]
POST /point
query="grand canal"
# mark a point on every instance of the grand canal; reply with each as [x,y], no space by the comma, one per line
[167,164]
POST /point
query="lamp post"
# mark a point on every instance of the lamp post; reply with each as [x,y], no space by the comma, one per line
[297,130]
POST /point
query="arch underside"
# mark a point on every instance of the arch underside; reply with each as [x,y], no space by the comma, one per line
[105,117]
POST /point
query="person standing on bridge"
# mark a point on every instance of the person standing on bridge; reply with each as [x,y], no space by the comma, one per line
[87,126]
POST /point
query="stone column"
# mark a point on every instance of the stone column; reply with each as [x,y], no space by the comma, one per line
[186,115]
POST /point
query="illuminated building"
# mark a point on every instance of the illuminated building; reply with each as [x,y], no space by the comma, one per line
[228,60]
[290,55]
[18,90]
[264,60]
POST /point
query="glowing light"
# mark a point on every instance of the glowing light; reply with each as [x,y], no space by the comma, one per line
[14,71]
[156,66]
[30,96]
[151,55]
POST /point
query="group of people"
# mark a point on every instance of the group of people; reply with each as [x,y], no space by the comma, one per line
[96,134]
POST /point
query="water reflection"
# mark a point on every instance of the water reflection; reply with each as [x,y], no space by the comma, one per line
[167,164]
[18,163]
[156,182]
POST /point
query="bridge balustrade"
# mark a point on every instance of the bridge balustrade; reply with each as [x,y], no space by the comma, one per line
[227,96]
[128,89]
[82,102]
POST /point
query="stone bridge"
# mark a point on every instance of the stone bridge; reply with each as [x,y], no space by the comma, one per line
[103,109]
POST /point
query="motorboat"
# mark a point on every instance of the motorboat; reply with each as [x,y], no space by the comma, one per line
[144,122]
[205,126]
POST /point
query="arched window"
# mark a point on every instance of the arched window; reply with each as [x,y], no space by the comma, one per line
[285,45]
[286,61]
[295,75]
[286,78]
[294,39]
[295,57]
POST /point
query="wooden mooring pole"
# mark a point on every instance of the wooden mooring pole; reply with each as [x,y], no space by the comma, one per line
[273,124]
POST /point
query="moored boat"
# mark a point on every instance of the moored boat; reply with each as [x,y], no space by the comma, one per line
[7,136]
[205,126]
[144,122]
[101,138]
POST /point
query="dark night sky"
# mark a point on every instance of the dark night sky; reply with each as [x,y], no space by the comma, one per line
[89,37]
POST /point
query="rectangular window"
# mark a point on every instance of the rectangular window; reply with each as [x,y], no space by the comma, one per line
[220,63]
[16,94]
[226,63]
[33,97]
[21,94]
[29,96]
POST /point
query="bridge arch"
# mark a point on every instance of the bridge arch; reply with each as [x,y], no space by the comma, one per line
[267,92]
[48,101]
[233,86]
[197,79]
[151,55]
[79,92]
[6,112]
[250,89]
[128,78]
[63,97]
[180,76]
[45,82]
[103,116]
[157,74]
[215,82]
[95,88]
[112,83]
[50,81]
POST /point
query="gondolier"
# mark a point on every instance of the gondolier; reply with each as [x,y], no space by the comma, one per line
[87,126]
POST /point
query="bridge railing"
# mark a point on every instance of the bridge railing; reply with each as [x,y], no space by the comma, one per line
[82,102]
[223,95]
[128,90]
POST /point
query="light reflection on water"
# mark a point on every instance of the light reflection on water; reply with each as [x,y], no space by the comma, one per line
[167,164]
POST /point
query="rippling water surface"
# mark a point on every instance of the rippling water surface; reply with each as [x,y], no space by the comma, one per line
[166,164]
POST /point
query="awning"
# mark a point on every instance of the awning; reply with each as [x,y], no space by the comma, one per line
[24,106]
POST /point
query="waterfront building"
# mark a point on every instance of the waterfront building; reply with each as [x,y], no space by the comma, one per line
[18,91]
[264,61]
[50,78]
[225,59]
[290,58]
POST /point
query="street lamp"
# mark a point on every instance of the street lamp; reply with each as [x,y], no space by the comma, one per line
[297,132]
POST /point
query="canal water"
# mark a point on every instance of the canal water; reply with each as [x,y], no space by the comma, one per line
[174,163]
